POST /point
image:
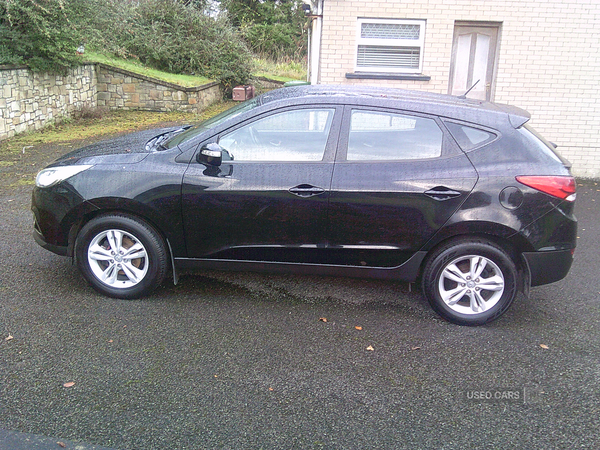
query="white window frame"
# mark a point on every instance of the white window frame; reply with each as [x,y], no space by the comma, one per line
[420,43]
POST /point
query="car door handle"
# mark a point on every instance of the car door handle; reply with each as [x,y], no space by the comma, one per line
[306,190]
[441,193]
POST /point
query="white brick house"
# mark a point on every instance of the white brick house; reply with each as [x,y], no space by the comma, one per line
[541,55]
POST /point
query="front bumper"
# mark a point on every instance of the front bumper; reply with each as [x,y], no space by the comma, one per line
[39,238]
[55,210]
[548,267]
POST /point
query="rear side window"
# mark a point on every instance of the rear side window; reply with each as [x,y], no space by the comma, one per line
[469,137]
[376,135]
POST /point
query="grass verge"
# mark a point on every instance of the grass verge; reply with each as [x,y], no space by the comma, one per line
[286,71]
[139,68]
[282,71]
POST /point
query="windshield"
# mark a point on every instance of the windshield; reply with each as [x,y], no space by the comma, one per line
[210,123]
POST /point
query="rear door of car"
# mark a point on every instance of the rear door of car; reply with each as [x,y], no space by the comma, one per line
[398,178]
[268,199]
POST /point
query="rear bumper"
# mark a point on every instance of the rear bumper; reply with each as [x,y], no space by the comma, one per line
[548,267]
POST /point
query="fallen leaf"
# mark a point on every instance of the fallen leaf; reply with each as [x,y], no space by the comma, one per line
[69,384]
[544,346]
[9,338]
[62,444]
[415,348]
[323,319]
[358,328]
[370,348]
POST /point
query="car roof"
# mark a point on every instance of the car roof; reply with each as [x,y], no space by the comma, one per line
[460,108]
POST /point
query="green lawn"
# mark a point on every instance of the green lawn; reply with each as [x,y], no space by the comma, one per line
[139,68]
[279,71]
[274,71]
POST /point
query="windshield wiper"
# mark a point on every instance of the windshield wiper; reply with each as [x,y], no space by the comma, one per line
[156,143]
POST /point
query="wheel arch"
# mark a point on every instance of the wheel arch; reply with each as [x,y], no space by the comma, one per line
[503,235]
[87,211]
[513,244]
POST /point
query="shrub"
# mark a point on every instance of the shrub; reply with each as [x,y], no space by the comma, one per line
[175,36]
[107,25]
[278,41]
[39,33]
[171,36]
[272,29]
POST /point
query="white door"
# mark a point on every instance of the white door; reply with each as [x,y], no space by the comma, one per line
[474,51]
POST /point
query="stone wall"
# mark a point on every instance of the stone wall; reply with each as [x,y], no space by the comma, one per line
[29,101]
[121,89]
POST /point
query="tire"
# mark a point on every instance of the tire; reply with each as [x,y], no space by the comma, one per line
[134,270]
[470,282]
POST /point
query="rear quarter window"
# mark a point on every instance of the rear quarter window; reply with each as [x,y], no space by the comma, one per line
[468,137]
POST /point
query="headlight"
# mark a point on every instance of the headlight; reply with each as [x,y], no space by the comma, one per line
[53,175]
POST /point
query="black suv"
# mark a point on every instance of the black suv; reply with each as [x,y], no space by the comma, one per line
[365,182]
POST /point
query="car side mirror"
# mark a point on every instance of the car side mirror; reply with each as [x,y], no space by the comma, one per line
[210,155]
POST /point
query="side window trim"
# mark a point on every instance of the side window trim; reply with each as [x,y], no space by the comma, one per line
[330,147]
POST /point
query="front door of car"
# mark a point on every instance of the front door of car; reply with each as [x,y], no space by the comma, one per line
[398,178]
[267,201]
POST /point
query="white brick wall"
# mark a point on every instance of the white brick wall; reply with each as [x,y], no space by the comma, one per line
[548,64]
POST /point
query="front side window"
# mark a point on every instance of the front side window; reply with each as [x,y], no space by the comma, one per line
[378,135]
[211,123]
[385,45]
[299,135]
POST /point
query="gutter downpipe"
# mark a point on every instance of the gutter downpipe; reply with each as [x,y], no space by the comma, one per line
[315,43]
[308,56]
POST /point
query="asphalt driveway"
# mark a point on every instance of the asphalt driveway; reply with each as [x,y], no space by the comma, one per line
[247,361]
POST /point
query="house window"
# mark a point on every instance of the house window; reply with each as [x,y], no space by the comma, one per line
[385,45]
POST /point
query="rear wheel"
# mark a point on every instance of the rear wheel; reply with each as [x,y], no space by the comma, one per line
[470,282]
[121,256]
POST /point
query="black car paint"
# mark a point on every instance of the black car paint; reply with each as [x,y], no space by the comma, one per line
[383,229]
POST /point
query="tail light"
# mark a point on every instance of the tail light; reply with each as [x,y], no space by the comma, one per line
[562,187]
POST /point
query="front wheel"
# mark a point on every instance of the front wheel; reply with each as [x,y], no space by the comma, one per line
[121,256]
[470,282]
